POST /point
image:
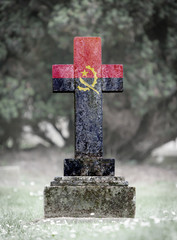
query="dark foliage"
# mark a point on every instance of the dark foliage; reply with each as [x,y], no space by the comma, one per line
[34,34]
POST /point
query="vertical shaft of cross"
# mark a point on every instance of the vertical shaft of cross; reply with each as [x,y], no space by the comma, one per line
[88,98]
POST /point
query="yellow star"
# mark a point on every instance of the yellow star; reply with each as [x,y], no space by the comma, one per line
[84,73]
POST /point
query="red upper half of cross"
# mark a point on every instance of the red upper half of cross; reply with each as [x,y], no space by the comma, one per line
[87,52]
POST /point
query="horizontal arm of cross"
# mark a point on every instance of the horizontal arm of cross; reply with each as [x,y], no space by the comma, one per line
[63,78]
[112,78]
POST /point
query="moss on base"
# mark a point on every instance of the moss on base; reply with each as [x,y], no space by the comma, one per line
[83,201]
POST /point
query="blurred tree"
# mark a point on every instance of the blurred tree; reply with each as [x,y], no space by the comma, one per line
[34,34]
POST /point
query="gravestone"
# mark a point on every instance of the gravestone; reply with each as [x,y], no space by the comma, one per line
[88,187]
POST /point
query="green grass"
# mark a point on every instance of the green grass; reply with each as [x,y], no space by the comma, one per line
[21,217]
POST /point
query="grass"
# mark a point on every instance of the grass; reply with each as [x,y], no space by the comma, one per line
[21,216]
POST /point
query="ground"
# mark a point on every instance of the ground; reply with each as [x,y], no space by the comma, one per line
[21,201]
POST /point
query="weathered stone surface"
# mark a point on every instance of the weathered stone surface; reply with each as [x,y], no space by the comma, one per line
[89,167]
[84,199]
[63,85]
[112,84]
[88,120]
[84,181]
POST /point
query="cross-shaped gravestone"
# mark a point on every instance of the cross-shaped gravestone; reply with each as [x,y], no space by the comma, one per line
[76,194]
[88,78]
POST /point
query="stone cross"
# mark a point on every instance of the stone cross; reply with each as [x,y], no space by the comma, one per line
[88,187]
[88,78]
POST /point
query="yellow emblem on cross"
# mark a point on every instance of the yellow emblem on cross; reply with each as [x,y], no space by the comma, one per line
[88,87]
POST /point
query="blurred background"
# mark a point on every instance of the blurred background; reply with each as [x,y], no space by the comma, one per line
[37,126]
[141,35]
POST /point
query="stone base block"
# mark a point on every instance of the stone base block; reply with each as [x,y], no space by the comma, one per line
[89,197]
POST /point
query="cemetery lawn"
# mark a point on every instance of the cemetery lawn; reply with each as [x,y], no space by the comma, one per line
[21,210]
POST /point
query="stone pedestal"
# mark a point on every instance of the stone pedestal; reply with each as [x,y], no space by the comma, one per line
[85,196]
